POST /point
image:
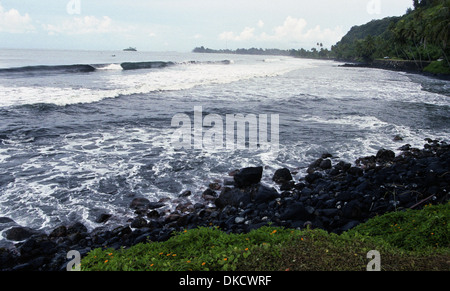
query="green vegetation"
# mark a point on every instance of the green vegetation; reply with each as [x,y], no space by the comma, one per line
[437,68]
[407,240]
[318,52]
[422,34]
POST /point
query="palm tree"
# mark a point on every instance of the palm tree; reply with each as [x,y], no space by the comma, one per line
[441,29]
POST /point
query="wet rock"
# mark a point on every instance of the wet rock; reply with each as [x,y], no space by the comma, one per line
[60,231]
[19,233]
[6,220]
[405,147]
[186,193]
[215,186]
[76,227]
[102,218]
[6,223]
[185,207]
[355,171]
[343,166]
[287,186]
[369,162]
[228,181]
[326,155]
[138,223]
[209,194]
[153,214]
[314,166]
[397,138]
[155,205]
[233,197]
[140,203]
[282,176]
[325,164]
[311,178]
[248,176]
[385,155]
[265,194]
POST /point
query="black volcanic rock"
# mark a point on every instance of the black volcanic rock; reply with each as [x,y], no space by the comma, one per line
[248,176]
[282,176]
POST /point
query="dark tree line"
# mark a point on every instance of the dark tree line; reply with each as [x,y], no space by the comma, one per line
[422,34]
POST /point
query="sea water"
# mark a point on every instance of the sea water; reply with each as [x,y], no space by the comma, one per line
[84,132]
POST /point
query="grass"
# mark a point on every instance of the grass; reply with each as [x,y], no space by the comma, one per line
[409,240]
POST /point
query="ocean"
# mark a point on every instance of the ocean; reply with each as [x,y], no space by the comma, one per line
[83,133]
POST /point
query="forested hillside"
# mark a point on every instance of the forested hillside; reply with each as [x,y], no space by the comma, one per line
[422,34]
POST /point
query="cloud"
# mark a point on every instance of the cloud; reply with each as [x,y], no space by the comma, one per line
[246,34]
[83,25]
[12,21]
[292,30]
[260,24]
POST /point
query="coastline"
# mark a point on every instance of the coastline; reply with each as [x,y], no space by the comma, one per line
[399,66]
[334,195]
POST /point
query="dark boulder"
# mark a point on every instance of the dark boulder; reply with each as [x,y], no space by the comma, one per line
[314,165]
[209,194]
[140,203]
[233,197]
[405,147]
[102,218]
[282,176]
[19,233]
[77,227]
[6,220]
[248,176]
[384,156]
[145,204]
[60,231]
[6,223]
[265,194]
[295,211]
[325,164]
[355,171]
[343,166]
[186,193]
[138,222]
[311,178]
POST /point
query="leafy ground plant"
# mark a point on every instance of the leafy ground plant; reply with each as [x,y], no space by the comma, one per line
[407,240]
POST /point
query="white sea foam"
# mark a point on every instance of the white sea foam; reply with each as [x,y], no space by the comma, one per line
[111,67]
[144,81]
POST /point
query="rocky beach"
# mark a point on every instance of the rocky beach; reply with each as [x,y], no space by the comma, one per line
[334,195]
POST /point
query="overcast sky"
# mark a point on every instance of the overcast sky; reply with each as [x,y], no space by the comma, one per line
[181,25]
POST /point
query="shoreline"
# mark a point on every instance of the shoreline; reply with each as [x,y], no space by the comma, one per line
[397,66]
[334,195]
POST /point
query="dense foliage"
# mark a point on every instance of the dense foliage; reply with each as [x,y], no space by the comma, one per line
[422,34]
[315,52]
